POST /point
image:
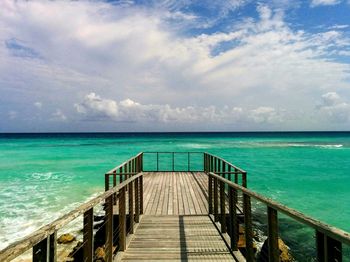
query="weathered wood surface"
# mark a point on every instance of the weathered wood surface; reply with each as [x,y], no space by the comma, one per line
[174,193]
[176,238]
[335,233]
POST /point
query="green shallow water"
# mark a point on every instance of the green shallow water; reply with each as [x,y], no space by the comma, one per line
[43,176]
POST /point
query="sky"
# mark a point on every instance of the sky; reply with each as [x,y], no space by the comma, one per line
[166,65]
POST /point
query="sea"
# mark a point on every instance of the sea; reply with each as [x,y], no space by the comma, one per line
[42,176]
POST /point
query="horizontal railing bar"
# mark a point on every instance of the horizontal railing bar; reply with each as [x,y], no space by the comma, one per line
[228,163]
[172,171]
[172,152]
[331,231]
[227,173]
[19,247]
[125,162]
[131,173]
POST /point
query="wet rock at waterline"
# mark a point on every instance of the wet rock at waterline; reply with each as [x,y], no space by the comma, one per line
[65,239]
[285,255]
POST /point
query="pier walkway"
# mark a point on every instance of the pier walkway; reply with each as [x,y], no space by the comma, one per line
[175,225]
[184,206]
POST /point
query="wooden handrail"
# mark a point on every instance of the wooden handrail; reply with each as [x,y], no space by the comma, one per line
[328,238]
[334,232]
[124,163]
[19,247]
[172,162]
[226,162]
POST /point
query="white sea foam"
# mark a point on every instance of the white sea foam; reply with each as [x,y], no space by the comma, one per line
[41,198]
[197,146]
[44,176]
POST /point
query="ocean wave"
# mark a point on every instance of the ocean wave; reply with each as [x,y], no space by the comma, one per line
[260,144]
[44,176]
[314,145]
[21,215]
[284,144]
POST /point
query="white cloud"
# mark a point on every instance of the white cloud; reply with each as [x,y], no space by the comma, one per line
[335,27]
[58,115]
[330,99]
[324,2]
[266,115]
[335,108]
[38,105]
[12,114]
[96,106]
[135,53]
[93,108]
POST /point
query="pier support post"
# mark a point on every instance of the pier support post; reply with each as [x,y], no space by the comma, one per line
[106,182]
[233,224]
[137,201]
[222,207]
[210,194]
[141,194]
[122,220]
[244,179]
[40,251]
[273,234]
[248,227]
[109,228]
[173,161]
[216,207]
[121,176]
[53,247]
[328,249]
[88,235]
[46,249]
[131,206]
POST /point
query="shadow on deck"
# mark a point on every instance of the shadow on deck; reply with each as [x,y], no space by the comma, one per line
[175,225]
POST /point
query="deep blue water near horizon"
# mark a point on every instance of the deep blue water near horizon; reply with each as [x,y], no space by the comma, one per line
[43,175]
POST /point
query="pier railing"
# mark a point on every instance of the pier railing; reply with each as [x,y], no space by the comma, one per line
[173,161]
[328,242]
[124,171]
[43,242]
[124,191]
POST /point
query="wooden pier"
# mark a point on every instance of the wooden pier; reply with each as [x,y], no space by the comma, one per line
[175,224]
[175,206]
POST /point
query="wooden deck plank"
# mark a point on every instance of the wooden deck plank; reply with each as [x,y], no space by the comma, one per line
[175,196]
[176,238]
[174,193]
[202,200]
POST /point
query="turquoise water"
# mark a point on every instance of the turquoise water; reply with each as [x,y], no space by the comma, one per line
[43,176]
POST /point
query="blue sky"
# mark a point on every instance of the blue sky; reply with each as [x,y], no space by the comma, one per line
[236,65]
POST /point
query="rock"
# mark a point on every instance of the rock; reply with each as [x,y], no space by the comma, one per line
[77,253]
[285,255]
[100,254]
[65,238]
